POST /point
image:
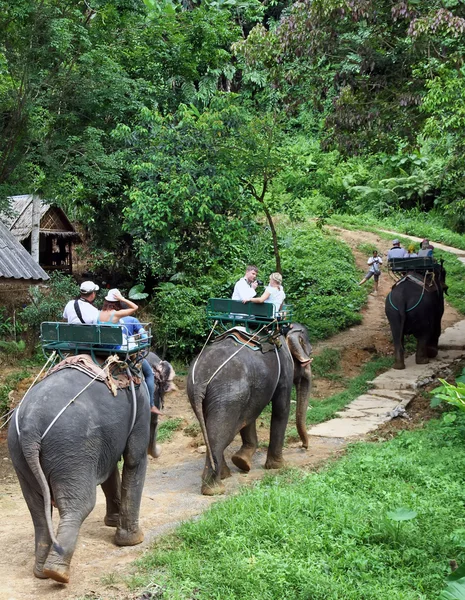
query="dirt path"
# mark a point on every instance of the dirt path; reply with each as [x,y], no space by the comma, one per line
[171,492]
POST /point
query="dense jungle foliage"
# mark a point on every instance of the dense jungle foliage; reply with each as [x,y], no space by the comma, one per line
[191,138]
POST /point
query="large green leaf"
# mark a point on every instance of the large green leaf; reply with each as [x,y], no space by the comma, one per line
[402,514]
[137,292]
[454,591]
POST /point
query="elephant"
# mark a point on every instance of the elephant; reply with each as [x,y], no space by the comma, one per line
[230,384]
[415,306]
[65,438]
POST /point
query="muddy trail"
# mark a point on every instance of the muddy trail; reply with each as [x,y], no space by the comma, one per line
[172,487]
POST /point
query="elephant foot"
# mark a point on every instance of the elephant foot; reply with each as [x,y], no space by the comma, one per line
[212,489]
[399,365]
[123,537]
[225,471]
[39,573]
[241,462]
[111,520]
[274,463]
[421,360]
[431,352]
[58,573]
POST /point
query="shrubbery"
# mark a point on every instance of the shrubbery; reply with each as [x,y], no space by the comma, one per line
[320,280]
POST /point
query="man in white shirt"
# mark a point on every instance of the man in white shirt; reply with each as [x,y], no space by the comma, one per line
[82,310]
[246,286]
[396,251]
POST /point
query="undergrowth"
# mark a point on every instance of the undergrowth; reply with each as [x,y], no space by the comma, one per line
[381,523]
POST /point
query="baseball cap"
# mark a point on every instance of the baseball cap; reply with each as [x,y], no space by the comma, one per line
[89,286]
[395,242]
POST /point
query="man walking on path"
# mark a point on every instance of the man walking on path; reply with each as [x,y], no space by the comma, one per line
[375,263]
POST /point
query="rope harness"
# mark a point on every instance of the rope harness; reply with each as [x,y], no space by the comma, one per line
[242,346]
[423,284]
[104,371]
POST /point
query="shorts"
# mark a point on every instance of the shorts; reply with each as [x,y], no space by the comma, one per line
[371,274]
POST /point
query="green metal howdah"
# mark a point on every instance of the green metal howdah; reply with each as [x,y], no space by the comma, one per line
[66,338]
[229,313]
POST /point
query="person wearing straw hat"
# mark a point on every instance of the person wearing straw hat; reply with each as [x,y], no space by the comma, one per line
[273,294]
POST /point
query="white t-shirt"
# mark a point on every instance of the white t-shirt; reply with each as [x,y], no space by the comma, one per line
[89,312]
[243,291]
[276,297]
[374,264]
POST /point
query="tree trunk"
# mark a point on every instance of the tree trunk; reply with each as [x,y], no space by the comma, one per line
[35,233]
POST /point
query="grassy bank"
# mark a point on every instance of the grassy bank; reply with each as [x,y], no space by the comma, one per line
[337,534]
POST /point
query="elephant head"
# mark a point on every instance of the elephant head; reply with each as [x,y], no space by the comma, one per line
[299,345]
[164,376]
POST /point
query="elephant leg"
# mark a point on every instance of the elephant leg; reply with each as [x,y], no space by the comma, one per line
[421,357]
[128,532]
[35,503]
[279,418]
[73,509]
[112,490]
[243,457]
[211,477]
[399,358]
[225,470]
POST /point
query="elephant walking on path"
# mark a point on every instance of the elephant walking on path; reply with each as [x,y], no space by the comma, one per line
[415,306]
[60,456]
[228,390]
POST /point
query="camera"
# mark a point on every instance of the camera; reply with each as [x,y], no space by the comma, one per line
[259,282]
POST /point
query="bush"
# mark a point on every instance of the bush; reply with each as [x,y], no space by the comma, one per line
[48,304]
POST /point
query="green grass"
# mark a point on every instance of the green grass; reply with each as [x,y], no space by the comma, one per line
[409,223]
[327,363]
[328,535]
[167,428]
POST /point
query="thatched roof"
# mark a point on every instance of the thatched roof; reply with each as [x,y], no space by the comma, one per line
[53,220]
[15,260]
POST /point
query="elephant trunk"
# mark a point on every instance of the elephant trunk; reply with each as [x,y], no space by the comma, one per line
[153,449]
[303,387]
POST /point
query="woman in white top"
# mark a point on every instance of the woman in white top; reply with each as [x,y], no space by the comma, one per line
[273,294]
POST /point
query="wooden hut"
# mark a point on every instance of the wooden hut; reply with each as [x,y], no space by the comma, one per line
[56,234]
[18,270]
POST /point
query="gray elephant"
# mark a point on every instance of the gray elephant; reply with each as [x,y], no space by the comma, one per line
[66,438]
[415,306]
[228,387]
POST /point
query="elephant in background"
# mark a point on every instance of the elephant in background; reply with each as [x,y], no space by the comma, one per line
[228,390]
[415,306]
[61,454]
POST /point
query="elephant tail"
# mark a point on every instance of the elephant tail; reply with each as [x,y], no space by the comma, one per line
[32,457]
[200,390]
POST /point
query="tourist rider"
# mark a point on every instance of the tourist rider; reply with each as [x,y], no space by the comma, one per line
[426,249]
[273,294]
[396,251]
[112,310]
[246,286]
[133,327]
[81,310]
[374,271]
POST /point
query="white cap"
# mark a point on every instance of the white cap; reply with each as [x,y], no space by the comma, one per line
[89,286]
[111,295]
